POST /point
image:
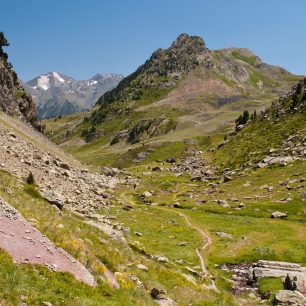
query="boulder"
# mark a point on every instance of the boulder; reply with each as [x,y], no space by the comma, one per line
[54,198]
[222,203]
[161,258]
[287,297]
[146,194]
[226,178]
[224,235]
[171,160]
[278,215]
[109,171]
[142,267]
[64,166]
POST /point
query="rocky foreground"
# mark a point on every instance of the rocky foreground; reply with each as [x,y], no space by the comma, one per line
[62,181]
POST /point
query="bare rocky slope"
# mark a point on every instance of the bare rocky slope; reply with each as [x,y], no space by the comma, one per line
[13,99]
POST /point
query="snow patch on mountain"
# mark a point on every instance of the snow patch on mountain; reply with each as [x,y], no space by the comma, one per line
[58,77]
[43,82]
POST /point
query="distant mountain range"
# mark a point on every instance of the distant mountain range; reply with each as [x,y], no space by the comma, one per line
[57,94]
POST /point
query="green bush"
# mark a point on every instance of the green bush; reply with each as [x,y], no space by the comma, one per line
[30,179]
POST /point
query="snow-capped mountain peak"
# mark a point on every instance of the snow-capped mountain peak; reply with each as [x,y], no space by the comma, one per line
[45,81]
[58,94]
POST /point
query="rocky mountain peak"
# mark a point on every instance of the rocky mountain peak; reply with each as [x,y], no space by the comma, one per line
[185,41]
[184,54]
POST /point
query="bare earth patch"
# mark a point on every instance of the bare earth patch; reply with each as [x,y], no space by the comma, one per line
[25,244]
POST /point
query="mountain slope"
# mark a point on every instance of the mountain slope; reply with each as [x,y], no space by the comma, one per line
[184,90]
[56,94]
[13,99]
[276,136]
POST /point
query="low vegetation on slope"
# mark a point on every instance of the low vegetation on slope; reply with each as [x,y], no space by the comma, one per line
[269,131]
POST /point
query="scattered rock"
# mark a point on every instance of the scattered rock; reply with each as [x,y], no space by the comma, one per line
[146,194]
[161,258]
[142,267]
[222,203]
[171,160]
[278,215]
[224,235]
[227,178]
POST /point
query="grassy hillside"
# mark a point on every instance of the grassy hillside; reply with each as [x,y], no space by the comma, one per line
[286,117]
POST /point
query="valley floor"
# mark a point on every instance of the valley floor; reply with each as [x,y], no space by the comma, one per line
[165,236]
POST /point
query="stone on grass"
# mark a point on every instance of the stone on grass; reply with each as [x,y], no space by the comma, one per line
[278,215]
[142,267]
[288,297]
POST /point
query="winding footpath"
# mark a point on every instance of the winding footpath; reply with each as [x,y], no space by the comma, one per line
[207,243]
[206,239]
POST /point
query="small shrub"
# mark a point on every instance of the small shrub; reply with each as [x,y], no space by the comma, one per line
[30,179]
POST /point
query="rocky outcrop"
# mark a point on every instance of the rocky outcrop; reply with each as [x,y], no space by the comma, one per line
[145,129]
[195,166]
[13,99]
[246,276]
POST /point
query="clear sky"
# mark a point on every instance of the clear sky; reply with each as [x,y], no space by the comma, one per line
[83,37]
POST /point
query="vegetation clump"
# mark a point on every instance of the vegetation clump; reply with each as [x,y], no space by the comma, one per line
[89,134]
[30,179]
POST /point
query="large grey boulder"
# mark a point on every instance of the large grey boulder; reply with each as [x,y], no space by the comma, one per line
[54,198]
[287,297]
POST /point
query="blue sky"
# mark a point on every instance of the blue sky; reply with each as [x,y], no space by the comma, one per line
[83,37]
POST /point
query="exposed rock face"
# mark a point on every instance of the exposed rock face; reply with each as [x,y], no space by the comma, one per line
[145,129]
[266,268]
[13,99]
